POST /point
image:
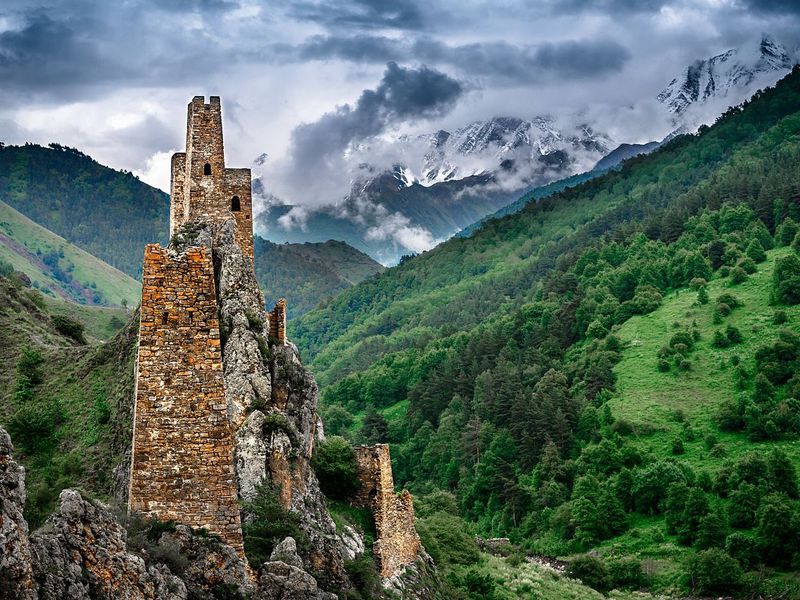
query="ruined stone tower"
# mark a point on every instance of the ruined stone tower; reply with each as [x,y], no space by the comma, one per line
[182,466]
[202,189]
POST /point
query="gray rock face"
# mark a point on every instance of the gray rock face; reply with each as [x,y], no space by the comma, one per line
[272,404]
[244,326]
[286,551]
[16,574]
[280,581]
[80,554]
[212,565]
[251,455]
[352,543]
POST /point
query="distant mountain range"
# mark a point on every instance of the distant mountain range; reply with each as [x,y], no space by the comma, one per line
[456,179]
[449,181]
[732,75]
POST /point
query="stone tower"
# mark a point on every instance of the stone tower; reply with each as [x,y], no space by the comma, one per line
[182,463]
[202,189]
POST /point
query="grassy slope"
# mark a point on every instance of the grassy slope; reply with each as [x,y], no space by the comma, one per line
[103,211]
[93,385]
[652,400]
[27,238]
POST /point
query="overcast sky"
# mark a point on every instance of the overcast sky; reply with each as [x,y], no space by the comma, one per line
[299,79]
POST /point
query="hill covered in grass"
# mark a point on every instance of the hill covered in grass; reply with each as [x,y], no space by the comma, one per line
[506,368]
[65,395]
[58,268]
[108,213]
[310,273]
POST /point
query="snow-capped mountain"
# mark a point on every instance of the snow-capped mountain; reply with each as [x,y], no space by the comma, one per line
[733,75]
[534,149]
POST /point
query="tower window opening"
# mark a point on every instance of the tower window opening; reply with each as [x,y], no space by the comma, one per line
[207,169]
[236,206]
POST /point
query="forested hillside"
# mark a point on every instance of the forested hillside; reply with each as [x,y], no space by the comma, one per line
[613,367]
[60,269]
[108,213]
[310,273]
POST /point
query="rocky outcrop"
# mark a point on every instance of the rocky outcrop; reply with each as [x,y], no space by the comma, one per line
[244,325]
[272,404]
[283,578]
[16,573]
[81,554]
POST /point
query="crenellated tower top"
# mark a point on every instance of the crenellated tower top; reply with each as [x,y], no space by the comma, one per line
[202,189]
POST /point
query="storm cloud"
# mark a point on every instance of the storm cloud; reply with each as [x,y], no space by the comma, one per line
[404,95]
[500,62]
[112,78]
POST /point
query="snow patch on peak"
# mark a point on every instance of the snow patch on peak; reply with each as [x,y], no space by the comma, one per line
[731,75]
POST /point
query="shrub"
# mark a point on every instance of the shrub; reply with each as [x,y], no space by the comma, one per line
[718,451]
[592,571]
[780,317]
[755,251]
[626,573]
[682,337]
[447,539]
[34,426]
[334,463]
[663,365]
[702,295]
[729,299]
[144,537]
[29,366]
[713,571]
[677,446]
[738,275]
[743,548]
[786,280]
[786,232]
[685,365]
[363,572]
[266,523]
[734,335]
[747,265]
[69,327]
[720,340]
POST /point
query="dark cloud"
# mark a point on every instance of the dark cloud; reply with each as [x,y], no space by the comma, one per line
[316,168]
[404,95]
[368,14]
[498,61]
[46,54]
[773,6]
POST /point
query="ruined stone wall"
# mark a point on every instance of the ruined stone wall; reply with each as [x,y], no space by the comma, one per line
[277,322]
[203,190]
[397,543]
[238,184]
[182,456]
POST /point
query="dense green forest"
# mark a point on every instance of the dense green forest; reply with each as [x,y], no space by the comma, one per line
[108,213]
[611,368]
[310,273]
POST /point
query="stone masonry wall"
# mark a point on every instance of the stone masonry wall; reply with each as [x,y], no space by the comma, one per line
[239,185]
[199,196]
[183,455]
[397,543]
[277,322]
